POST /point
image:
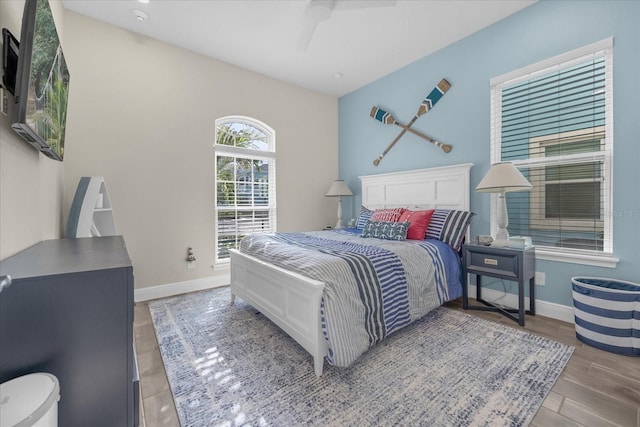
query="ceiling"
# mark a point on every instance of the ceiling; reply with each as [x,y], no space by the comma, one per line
[360,42]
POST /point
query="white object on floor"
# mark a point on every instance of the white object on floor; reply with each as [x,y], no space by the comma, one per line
[30,401]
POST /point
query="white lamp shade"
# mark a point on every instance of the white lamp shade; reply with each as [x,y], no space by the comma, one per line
[503,177]
[339,188]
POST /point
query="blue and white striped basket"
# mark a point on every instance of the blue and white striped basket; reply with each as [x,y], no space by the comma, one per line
[607,314]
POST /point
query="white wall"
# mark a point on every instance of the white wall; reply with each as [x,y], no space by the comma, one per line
[31,184]
[141,114]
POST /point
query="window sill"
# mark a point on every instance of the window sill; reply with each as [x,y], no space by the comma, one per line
[604,260]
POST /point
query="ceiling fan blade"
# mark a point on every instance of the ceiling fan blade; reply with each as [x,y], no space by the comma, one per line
[320,10]
[307,33]
[317,11]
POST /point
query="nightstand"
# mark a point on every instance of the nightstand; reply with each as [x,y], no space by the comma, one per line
[517,265]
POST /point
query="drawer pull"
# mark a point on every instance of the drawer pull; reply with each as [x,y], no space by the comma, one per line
[491,261]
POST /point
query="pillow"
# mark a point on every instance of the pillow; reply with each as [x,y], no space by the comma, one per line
[419,222]
[450,226]
[386,230]
[365,215]
[387,215]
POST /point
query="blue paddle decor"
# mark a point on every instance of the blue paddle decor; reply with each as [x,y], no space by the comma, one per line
[385,117]
[427,104]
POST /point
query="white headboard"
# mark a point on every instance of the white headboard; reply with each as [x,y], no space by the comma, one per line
[445,187]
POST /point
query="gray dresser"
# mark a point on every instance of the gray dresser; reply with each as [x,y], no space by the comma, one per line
[69,312]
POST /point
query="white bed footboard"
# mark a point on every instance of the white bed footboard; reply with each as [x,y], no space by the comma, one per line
[288,299]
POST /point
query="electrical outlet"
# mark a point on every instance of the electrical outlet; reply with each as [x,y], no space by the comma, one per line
[191,264]
[540,278]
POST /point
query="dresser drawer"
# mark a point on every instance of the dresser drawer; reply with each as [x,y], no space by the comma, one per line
[502,264]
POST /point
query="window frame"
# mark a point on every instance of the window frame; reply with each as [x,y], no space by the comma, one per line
[538,219]
[268,156]
[603,48]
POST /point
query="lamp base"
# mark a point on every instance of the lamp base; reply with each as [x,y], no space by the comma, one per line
[502,219]
[339,224]
[502,238]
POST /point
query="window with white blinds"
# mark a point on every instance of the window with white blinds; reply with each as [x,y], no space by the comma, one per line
[554,121]
[245,182]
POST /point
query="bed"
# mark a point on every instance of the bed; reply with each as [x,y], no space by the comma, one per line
[301,293]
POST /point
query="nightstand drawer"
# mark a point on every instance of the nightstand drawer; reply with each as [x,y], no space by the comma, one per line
[503,264]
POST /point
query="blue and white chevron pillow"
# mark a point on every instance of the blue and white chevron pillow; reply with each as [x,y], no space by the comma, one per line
[386,230]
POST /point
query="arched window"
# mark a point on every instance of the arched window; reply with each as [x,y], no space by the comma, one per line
[245,169]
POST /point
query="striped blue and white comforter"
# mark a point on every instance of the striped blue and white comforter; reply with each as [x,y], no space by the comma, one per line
[373,287]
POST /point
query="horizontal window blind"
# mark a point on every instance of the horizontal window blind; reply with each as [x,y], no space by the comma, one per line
[554,124]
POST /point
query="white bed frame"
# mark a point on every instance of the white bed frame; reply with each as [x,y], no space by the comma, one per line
[292,301]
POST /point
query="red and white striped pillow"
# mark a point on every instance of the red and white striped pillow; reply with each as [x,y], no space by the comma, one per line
[387,215]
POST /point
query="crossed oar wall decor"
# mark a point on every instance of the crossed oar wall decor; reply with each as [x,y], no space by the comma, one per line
[427,104]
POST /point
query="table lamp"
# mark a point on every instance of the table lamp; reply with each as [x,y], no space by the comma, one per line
[339,189]
[503,178]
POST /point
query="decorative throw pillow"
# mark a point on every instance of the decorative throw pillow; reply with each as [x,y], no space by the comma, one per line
[365,215]
[386,230]
[419,222]
[450,226]
[387,215]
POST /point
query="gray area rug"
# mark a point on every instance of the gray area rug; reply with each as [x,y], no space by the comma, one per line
[229,365]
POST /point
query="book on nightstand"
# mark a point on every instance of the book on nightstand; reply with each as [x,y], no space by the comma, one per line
[520,242]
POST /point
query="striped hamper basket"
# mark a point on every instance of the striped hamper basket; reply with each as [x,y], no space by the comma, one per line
[607,313]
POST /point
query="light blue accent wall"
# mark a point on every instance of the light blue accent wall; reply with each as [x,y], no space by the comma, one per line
[461,118]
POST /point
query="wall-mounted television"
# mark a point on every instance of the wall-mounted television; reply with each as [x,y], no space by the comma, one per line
[42,82]
[10,47]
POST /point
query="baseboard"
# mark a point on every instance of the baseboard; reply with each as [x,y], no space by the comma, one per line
[171,289]
[543,308]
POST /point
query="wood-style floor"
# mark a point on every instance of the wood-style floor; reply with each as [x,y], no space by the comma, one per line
[596,388]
